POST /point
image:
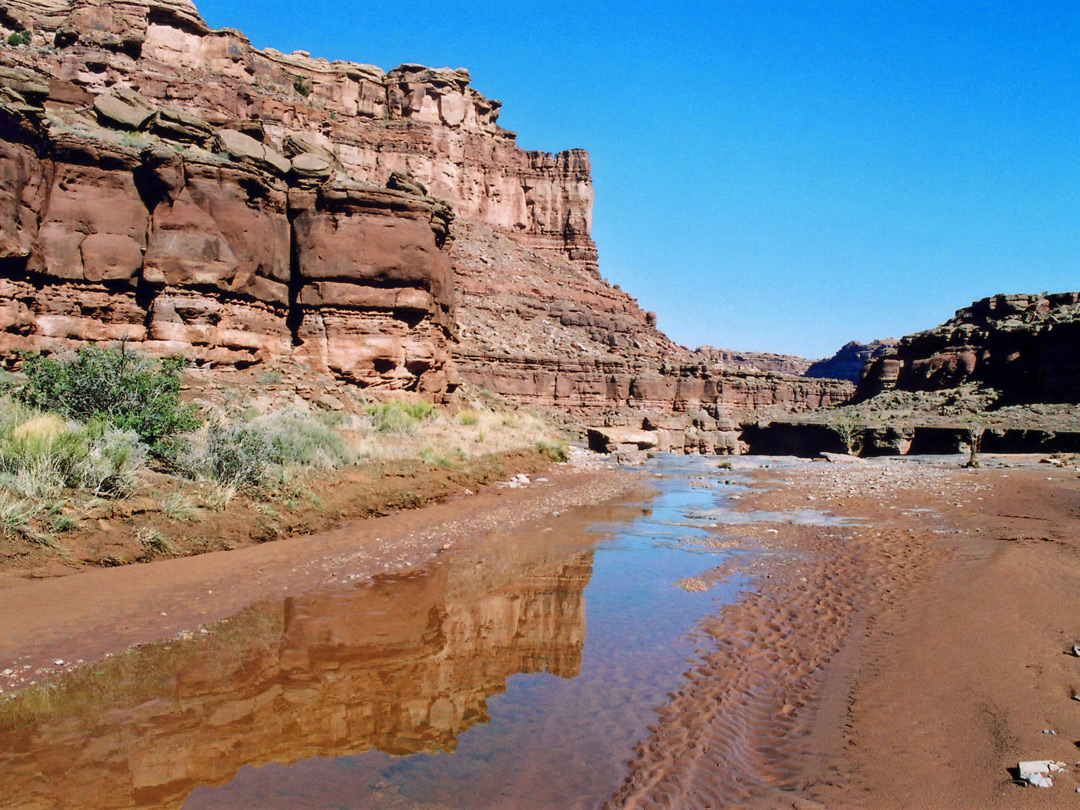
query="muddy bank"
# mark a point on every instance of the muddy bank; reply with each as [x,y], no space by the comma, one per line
[906,659]
[122,532]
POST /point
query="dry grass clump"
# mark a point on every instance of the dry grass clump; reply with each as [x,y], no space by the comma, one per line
[445,436]
[245,449]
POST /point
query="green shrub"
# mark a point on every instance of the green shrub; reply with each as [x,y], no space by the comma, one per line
[128,390]
[301,85]
[231,452]
[398,416]
[18,38]
[555,450]
[299,438]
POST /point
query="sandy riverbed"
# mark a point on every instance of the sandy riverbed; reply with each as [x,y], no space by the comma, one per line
[907,660]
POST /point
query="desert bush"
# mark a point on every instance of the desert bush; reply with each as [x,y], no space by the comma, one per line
[44,455]
[845,424]
[228,451]
[130,391]
[555,449]
[18,38]
[972,437]
[307,440]
[398,416]
[254,451]
[469,418]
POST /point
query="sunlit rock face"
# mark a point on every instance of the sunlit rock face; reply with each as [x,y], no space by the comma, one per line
[402,666]
[428,122]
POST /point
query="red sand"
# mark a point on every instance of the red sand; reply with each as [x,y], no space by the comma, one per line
[907,662]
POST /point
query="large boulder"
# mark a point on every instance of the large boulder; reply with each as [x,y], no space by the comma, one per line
[122,107]
[245,149]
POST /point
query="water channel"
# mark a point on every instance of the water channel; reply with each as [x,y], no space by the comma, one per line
[517,672]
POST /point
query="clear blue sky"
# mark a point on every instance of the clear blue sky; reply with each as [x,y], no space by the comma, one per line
[778,176]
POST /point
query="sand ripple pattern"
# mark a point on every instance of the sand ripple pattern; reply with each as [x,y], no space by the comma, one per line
[738,733]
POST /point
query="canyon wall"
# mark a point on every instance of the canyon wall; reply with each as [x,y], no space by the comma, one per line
[172,185]
[850,360]
[534,329]
[1021,346]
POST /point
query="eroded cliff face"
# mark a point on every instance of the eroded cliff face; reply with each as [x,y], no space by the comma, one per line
[426,122]
[172,185]
[1021,346]
[533,329]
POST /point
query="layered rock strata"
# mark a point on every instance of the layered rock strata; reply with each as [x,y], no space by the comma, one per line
[220,260]
[169,184]
[426,122]
[753,361]
[531,328]
[1021,346]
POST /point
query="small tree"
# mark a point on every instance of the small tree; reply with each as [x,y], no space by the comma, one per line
[846,425]
[972,438]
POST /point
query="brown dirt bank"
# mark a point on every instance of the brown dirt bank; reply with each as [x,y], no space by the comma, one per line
[114,533]
[904,661]
[97,611]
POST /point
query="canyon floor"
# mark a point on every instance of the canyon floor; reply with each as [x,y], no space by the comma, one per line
[904,651]
[911,658]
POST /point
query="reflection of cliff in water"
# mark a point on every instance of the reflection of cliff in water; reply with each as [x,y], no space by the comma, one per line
[402,665]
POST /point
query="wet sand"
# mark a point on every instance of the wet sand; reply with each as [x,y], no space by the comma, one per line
[906,661]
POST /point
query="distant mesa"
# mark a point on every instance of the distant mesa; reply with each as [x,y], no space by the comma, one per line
[1023,347]
[848,363]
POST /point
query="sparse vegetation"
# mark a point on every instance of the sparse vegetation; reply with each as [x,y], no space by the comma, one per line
[82,430]
[556,450]
[154,543]
[398,416]
[301,85]
[972,438]
[18,38]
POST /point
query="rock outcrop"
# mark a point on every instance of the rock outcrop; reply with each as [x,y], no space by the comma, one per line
[532,328]
[850,360]
[754,361]
[1023,347]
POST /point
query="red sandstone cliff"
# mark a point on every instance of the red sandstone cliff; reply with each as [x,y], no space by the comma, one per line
[170,184]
